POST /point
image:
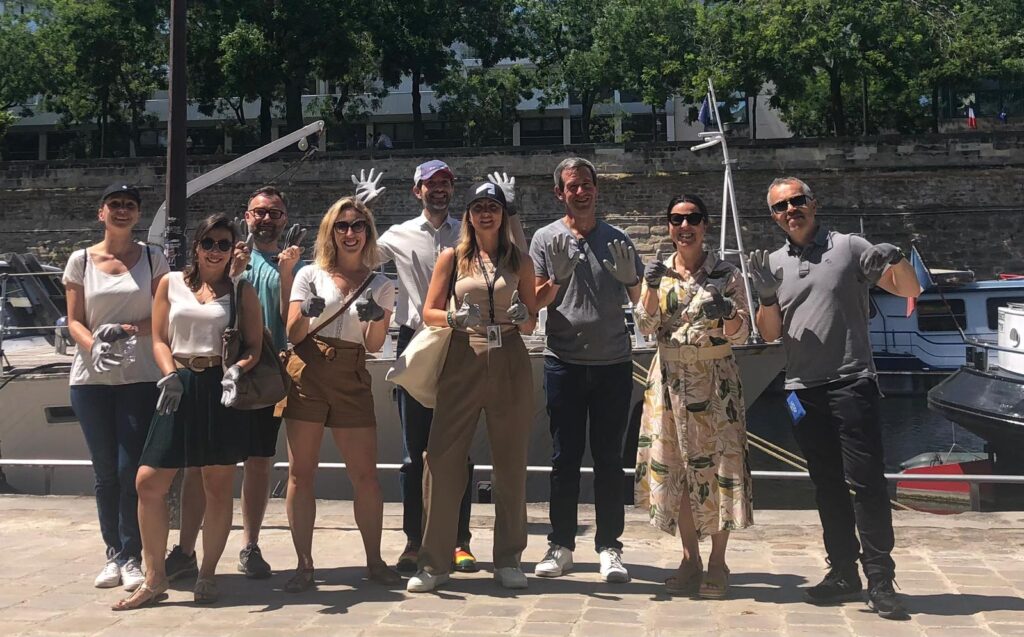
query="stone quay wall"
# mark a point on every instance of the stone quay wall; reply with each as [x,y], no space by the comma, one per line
[959,198]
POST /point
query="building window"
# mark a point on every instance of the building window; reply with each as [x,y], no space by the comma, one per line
[992,306]
[540,131]
[936,316]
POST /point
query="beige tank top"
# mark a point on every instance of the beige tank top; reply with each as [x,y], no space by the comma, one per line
[475,285]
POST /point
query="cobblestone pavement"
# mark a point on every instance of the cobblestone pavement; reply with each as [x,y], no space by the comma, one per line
[960,575]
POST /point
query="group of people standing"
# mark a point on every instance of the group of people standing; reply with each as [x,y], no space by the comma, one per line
[149,411]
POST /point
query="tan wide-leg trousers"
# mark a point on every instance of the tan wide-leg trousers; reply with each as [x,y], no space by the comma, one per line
[500,383]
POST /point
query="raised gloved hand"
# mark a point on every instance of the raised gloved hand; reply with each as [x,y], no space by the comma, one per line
[171,390]
[229,385]
[294,235]
[111,332]
[468,314]
[562,265]
[763,279]
[104,356]
[508,188]
[367,309]
[313,306]
[241,255]
[875,259]
[655,271]
[623,263]
[241,227]
[717,307]
[518,313]
[367,188]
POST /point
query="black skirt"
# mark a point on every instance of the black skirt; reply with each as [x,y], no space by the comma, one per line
[202,432]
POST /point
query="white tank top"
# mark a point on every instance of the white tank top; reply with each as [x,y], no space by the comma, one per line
[195,329]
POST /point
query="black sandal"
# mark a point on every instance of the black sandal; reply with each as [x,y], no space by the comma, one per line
[301,581]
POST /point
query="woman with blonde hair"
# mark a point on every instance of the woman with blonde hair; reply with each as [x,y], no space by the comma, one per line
[339,311]
[487,369]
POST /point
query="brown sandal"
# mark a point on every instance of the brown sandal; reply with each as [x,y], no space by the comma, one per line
[301,581]
[685,581]
[206,591]
[144,595]
[713,587]
[381,573]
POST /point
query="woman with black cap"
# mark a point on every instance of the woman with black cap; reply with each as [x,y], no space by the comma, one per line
[113,377]
[487,369]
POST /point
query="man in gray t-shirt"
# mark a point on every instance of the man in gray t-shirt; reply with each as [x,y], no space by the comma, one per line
[586,269]
[814,294]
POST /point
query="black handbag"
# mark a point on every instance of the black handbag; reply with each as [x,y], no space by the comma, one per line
[267,383]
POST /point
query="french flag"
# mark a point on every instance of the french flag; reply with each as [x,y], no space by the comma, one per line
[924,277]
[972,121]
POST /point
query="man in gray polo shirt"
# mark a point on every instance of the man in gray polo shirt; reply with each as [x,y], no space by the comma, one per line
[586,269]
[817,301]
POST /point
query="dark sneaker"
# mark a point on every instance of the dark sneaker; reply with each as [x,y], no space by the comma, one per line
[463,561]
[179,565]
[883,600]
[408,561]
[251,562]
[841,584]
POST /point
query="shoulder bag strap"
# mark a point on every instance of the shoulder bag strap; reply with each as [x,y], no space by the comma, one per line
[344,306]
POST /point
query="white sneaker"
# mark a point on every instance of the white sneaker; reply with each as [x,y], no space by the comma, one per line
[510,577]
[131,575]
[109,577]
[557,562]
[424,582]
[612,569]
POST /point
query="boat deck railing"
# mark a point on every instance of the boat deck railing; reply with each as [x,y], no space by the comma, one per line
[978,352]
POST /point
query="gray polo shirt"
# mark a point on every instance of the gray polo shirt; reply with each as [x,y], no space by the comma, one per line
[586,324]
[825,309]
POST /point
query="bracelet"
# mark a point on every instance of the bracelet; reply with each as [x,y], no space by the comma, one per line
[451,319]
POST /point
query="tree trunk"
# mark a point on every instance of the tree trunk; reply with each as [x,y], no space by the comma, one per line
[417,113]
[835,85]
[864,101]
[935,109]
[654,124]
[266,120]
[752,116]
[587,108]
[293,115]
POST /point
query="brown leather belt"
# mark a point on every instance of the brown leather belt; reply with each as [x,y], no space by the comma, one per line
[197,363]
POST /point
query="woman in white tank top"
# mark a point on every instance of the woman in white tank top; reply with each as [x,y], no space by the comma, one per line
[192,428]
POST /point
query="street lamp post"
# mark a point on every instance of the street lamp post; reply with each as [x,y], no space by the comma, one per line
[177,206]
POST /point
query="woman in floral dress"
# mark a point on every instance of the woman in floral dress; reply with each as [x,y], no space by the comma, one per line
[692,471]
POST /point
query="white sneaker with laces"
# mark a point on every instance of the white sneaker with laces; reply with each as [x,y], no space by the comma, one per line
[109,577]
[424,582]
[131,575]
[510,577]
[612,570]
[557,562]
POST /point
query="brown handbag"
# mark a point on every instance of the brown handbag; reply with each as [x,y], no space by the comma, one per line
[267,383]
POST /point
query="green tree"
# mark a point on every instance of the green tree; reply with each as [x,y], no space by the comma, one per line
[20,68]
[484,100]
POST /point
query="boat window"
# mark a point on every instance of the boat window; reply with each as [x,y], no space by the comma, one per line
[935,316]
[992,306]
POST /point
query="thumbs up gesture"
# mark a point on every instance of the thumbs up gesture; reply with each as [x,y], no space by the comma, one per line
[313,306]
[367,309]
[468,315]
[518,313]
[655,271]
[718,307]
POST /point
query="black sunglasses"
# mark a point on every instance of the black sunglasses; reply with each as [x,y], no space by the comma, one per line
[783,206]
[223,245]
[693,218]
[357,227]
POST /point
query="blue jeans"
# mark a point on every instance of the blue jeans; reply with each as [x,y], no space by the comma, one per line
[416,421]
[115,420]
[574,393]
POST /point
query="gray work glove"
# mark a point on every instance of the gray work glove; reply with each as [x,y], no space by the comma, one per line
[763,279]
[654,272]
[623,263]
[241,255]
[468,315]
[294,235]
[110,332]
[241,227]
[508,188]
[518,313]
[562,265]
[717,307]
[104,356]
[875,259]
[313,306]
[171,390]
[229,386]
[367,309]
[367,185]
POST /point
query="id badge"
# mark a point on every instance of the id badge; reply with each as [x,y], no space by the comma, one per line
[493,337]
[796,409]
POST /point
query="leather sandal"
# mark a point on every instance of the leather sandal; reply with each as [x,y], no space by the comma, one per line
[206,591]
[686,580]
[144,595]
[381,573]
[301,581]
[715,587]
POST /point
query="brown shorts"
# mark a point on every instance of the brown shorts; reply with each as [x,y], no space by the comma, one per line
[330,384]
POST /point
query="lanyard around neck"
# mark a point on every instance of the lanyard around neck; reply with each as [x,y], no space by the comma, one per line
[490,285]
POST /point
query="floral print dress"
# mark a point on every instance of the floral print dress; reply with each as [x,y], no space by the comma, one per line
[693,436]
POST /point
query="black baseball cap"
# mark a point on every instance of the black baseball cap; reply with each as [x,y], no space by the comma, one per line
[487,190]
[121,188]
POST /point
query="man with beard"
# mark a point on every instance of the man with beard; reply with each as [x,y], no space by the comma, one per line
[271,271]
